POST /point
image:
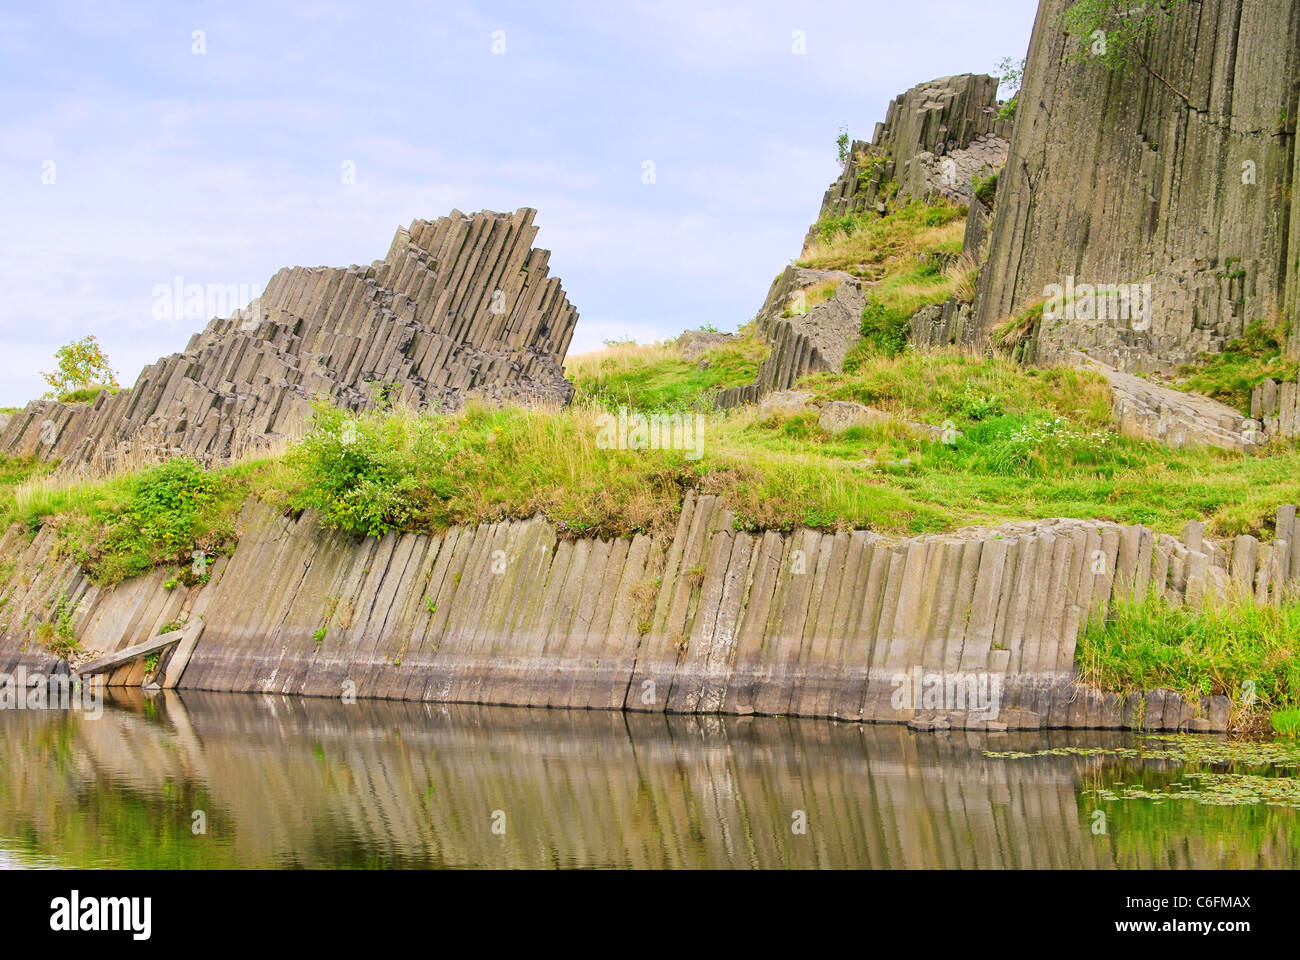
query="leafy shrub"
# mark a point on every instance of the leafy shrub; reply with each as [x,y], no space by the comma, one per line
[885,330]
[167,509]
[354,469]
[985,187]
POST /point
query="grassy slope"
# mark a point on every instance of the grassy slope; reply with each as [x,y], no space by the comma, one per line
[911,258]
[1248,653]
[1231,375]
[658,378]
[1035,443]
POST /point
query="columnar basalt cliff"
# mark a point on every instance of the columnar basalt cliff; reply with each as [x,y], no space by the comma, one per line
[802,342]
[710,620]
[461,305]
[935,139]
[1114,178]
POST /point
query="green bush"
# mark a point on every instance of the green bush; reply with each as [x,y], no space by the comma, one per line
[355,469]
[985,187]
[163,519]
[885,330]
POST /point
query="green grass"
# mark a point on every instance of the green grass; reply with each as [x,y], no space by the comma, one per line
[1286,723]
[131,523]
[871,246]
[1034,443]
[1246,362]
[911,258]
[86,394]
[1233,648]
[658,377]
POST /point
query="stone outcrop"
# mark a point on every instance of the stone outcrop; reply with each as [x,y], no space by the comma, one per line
[1114,179]
[837,416]
[804,339]
[694,343]
[935,138]
[461,305]
[709,620]
[1153,412]
[1277,406]
[941,325]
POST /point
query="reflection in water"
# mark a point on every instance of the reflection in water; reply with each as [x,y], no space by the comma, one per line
[285,782]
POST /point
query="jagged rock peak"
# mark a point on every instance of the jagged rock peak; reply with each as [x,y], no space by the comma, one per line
[460,305]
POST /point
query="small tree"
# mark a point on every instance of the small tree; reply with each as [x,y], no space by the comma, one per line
[1117,33]
[81,365]
[842,145]
[1011,74]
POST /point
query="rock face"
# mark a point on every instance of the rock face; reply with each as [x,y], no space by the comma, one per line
[708,620]
[1114,179]
[810,340]
[934,139]
[1277,405]
[461,305]
[694,343]
[837,416]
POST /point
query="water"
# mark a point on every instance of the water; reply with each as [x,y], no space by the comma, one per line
[285,782]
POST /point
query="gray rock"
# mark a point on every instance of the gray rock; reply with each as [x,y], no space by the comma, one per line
[1154,412]
[787,403]
[693,343]
[1202,214]
[840,415]
[460,306]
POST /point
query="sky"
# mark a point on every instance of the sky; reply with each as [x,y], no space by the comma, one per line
[218,142]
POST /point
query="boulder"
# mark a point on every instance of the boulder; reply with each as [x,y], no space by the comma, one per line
[787,403]
[840,415]
[693,343]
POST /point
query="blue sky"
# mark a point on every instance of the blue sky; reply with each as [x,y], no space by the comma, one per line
[222,167]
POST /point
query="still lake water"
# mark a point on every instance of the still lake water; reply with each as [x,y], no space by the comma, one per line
[284,782]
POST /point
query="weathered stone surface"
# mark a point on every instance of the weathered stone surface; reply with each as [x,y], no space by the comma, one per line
[787,403]
[1114,179]
[461,305]
[839,415]
[692,343]
[1154,412]
[836,416]
[804,339]
[706,620]
[1277,407]
[935,137]
[941,325]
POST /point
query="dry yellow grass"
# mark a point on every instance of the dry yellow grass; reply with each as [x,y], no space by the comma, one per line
[618,359]
[876,248]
